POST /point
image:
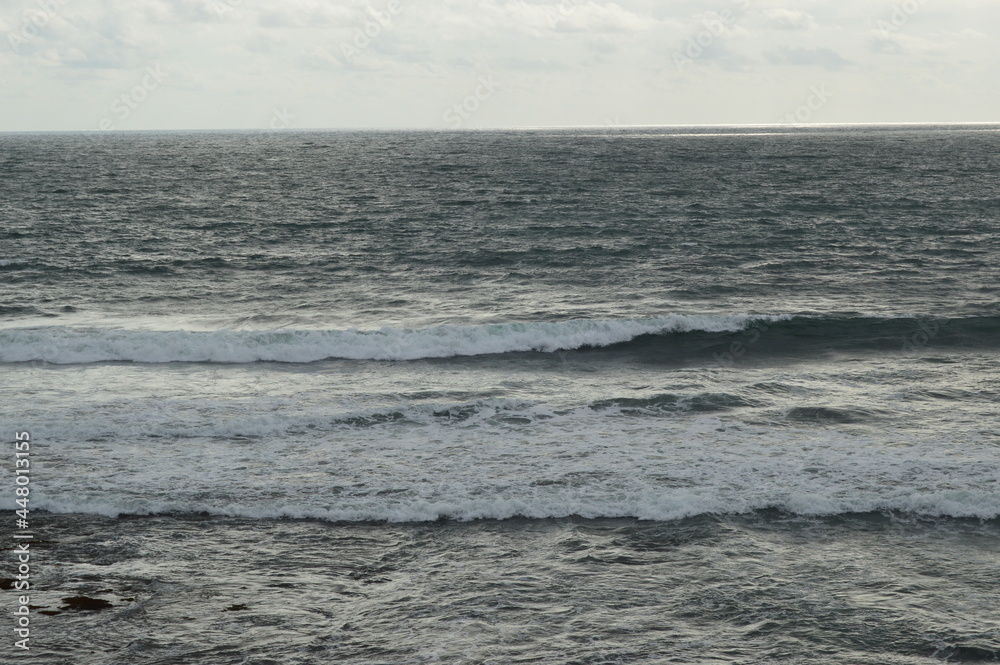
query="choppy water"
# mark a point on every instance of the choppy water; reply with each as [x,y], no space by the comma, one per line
[564,397]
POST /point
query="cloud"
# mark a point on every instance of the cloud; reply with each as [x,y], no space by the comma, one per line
[789,19]
[307,14]
[904,44]
[230,55]
[808,57]
[317,57]
[596,18]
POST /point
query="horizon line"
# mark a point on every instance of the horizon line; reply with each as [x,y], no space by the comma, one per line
[510,128]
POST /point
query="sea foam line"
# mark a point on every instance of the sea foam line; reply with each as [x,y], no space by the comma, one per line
[673,506]
[65,345]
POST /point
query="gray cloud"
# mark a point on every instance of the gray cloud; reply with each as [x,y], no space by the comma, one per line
[810,57]
[790,19]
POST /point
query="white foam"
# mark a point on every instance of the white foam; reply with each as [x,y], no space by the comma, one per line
[581,463]
[655,507]
[65,345]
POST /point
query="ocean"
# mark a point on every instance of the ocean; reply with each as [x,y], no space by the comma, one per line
[648,395]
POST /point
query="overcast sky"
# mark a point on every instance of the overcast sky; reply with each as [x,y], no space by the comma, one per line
[296,64]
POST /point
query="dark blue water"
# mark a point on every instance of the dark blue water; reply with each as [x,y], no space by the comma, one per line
[702,395]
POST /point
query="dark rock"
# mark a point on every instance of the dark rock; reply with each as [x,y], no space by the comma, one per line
[84,603]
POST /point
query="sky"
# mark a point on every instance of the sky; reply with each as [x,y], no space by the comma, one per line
[70,65]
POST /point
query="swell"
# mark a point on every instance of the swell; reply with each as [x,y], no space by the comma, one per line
[726,337]
[652,507]
[64,345]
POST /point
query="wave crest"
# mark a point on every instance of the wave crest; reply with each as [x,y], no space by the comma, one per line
[63,345]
